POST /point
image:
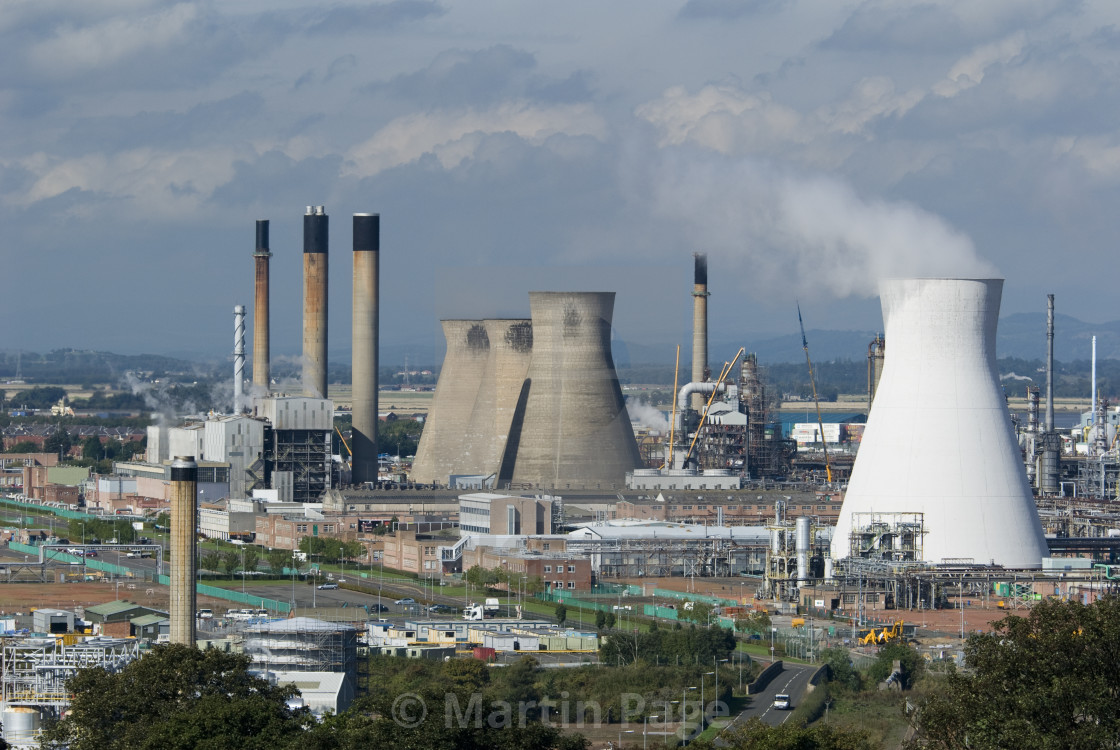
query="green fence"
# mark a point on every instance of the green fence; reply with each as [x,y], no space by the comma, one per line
[61,512]
[262,602]
[665,613]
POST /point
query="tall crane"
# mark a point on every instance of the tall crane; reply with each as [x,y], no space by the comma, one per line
[813,383]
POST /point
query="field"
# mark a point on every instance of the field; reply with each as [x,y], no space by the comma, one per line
[23,597]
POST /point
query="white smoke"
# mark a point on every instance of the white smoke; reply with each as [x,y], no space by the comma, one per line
[1014,376]
[778,229]
[646,415]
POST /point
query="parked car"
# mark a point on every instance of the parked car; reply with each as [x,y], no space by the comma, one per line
[436,608]
[328,585]
[406,600]
[378,607]
[781,702]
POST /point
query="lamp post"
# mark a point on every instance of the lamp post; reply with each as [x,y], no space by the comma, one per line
[242,570]
[703,705]
[622,732]
[645,730]
[684,709]
[718,662]
[342,561]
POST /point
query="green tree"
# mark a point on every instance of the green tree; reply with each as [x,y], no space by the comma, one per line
[250,558]
[91,449]
[23,446]
[910,662]
[59,441]
[1047,680]
[610,620]
[840,666]
[756,622]
[561,612]
[600,619]
[211,561]
[278,559]
[231,561]
[177,698]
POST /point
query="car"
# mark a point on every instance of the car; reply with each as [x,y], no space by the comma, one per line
[324,586]
[781,702]
[378,608]
[436,608]
[406,600]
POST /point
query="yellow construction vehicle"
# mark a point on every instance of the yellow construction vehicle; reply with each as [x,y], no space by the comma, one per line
[886,635]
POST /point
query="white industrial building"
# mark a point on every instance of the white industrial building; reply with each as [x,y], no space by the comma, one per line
[939,440]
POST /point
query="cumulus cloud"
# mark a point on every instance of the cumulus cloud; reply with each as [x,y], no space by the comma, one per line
[452,137]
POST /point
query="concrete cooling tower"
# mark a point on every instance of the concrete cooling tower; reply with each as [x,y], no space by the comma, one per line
[495,426]
[443,449]
[576,431]
[938,439]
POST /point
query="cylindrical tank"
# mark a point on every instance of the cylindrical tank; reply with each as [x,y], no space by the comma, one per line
[828,568]
[939,440]
[367,251]
[775,541]
[442,450]
[21,725]
[802,541]
[261,354]
[184,507]
[717,472]
[576,432]
[315,276]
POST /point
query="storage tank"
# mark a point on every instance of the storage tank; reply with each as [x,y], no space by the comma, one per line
[443,449]
[939,439]
[21,726]
[576,431]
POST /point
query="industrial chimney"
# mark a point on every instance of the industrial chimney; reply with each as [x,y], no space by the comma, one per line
[1050,467]
[315,274]
[184,505]
[576,431]
[700,371]
[938,440]
[261,373]
[238,359]
[363,443]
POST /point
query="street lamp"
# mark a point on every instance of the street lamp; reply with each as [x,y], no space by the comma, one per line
[622,732]
[242,570]
[703,705]
[645,730]
[342,560]
[684,709]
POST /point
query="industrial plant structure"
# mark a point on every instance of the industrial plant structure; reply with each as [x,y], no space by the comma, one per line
[184,513]
[367,252]
[315,299]
[939,441]
[531,402]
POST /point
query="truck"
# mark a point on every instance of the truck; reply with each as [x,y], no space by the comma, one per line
[491,606]
[474,613]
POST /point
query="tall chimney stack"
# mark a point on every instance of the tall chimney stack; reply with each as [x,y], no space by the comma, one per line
[363,442]
[315,274]
[184,504]
[238,359]
[261,374]
[1049,481]
[700,371]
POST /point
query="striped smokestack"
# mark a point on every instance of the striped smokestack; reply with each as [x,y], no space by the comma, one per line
[261,374]
[363,443]
[315,302]
[184,486]
[700,371]
[238,358]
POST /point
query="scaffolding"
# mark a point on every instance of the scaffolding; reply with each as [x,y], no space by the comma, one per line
[303,644]
[35,670]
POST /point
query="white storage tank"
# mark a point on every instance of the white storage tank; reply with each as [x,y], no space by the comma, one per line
[21,726]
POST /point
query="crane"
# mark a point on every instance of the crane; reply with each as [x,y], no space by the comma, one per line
[704,417]
[813,384]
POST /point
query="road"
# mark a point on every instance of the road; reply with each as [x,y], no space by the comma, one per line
[792,680]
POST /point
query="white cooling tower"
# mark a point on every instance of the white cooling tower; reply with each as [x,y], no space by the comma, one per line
[938,439]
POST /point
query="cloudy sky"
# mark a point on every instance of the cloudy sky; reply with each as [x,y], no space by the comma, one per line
[808,146]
